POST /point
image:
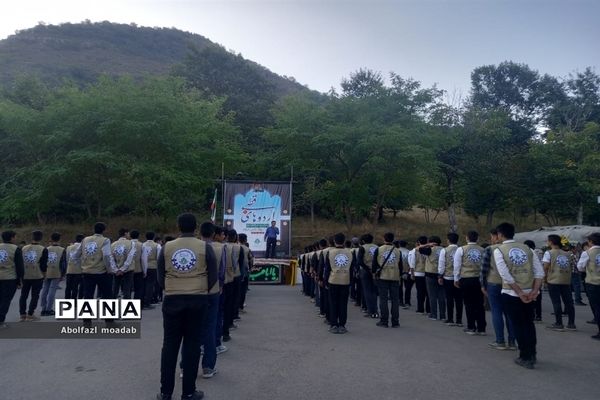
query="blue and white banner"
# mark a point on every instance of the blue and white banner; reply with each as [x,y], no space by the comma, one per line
[250,207]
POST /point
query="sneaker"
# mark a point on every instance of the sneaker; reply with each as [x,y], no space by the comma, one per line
[596,336]
[432,317]
[396,325]
[449,322]
[382,324]
[469,331]
[208,373]
[374,316]
[511,346]
[221,349]
[556,327]
[406,306]
[321,315]
[481,333]
[226,338]
[233,327]
[32,318]
[498,346]
[580,303]
[161,396]
[459,324]
[524,363]
[571,328]
[237,319]
[538,320]
[197,395]
[23,318]
[591,322]
[342,330]
[334,329]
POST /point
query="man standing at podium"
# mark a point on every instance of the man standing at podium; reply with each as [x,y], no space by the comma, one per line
[271,239]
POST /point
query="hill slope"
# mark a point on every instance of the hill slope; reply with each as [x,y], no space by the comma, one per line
[82,52]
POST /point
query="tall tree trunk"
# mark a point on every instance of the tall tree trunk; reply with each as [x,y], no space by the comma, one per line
[489,219]
[580,213]
[380,214]
[348,215]
[312,215]
[452,218]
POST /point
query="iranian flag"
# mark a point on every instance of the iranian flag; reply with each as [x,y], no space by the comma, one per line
[213,208]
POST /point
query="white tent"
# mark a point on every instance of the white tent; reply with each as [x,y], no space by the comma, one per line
[574,233]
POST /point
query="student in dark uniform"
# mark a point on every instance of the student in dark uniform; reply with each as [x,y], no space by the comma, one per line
[74,288]
[35,258]
[387,265]
[231,289]
[187,270]
[338,261]
[55,273]
[435,289]
[366,254]
[522,274]
[245,276]
[406,283]
[557,265]
[416,261]
[150,252]
[11,273]
[468,261]
[454,299]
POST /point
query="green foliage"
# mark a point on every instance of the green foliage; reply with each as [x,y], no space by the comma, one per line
[115,147]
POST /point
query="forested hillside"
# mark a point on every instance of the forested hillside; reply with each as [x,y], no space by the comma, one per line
[523,143]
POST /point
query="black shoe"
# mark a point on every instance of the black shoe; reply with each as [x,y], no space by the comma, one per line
[396,325]
[596,336]
[44,313]
[580,303]
[50,313]
[592,322]
[226,338]
[197,395]
[382,324]
[524,363]
[148,307]
[161,396]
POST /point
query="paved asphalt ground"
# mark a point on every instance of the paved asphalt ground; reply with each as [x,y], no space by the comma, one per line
[282,350]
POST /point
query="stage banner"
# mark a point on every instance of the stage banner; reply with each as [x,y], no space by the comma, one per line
[250,207]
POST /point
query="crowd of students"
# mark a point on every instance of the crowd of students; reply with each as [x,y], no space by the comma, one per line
[201,282]
[505,275]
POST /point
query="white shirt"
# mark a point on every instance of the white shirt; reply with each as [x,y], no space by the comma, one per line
[458,261]
[547,258]
[442,263]
[145,255]
[585,259]
[412,262]
[538,270]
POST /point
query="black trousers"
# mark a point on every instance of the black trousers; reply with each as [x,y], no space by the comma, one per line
[74,289]
[473,298]
[138,286]
[184,317]
[149,281]
[593,295]
[35,287]
[123,283]
[101,281]
[237,298]
[521,315]
[338,304]
[557,292]
[422,297]
[230,293]
[271,246]
[8,288]
[388,290]
[324,303]
[453,298]
[244,291]
[408,285]
[538,306]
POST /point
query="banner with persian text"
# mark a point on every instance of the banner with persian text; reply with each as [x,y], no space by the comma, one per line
[250,207]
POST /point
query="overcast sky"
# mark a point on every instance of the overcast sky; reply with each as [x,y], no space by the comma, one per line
[320,41]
